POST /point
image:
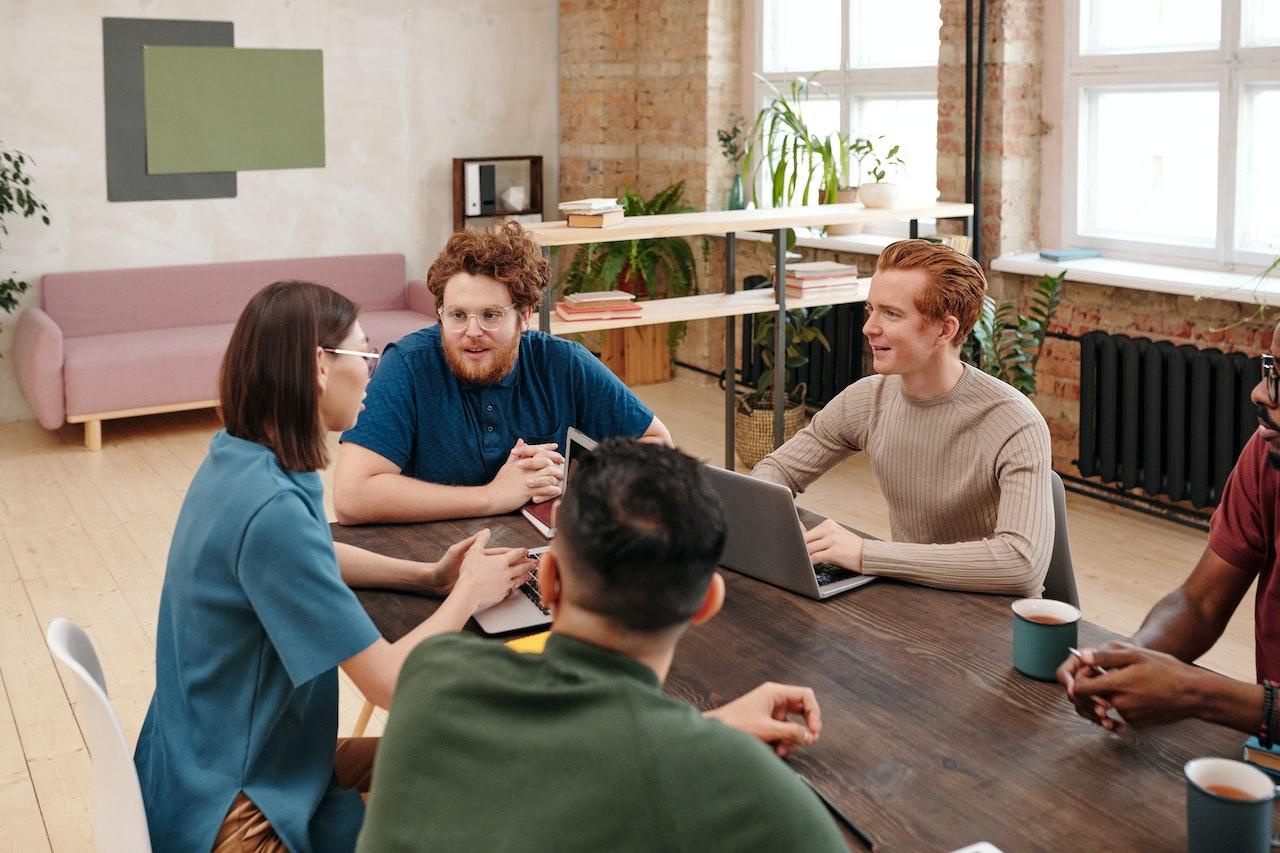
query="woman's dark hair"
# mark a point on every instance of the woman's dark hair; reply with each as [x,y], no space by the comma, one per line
[268,384]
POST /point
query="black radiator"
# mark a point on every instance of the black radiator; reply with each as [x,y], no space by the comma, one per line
[827,373]
[1168,419]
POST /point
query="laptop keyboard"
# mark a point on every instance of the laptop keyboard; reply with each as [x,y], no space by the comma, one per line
[531,591]
[829,573]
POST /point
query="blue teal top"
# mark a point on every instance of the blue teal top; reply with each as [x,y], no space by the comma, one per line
[441,429]
[254,620]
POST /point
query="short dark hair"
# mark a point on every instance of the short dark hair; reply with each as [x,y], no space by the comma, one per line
[506,254]
[268,383]
[642,532]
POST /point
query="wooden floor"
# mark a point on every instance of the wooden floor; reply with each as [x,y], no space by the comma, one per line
[84,535]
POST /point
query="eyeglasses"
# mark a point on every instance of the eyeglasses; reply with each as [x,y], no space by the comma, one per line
[1272,376]
[372,355]
[490,319]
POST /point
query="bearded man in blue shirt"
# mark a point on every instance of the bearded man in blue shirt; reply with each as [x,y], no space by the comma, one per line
[466,418]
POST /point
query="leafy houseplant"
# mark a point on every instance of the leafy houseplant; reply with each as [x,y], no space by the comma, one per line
[656,268]
[731,146]
[16,197]
[753,417]
[880,193]
[1007,344]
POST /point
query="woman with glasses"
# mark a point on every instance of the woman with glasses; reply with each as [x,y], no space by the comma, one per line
[239,749]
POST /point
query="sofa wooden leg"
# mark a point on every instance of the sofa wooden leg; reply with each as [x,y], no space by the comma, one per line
[93,435]
[362,722]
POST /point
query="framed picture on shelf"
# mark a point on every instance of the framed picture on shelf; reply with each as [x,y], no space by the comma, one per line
[491,189]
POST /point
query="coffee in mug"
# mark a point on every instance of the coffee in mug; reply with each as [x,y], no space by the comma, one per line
[1229,806]
[1044,631]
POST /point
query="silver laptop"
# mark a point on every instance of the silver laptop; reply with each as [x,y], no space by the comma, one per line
[766,538]
[523,608]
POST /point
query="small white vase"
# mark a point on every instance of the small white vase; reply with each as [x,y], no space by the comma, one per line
[878,195]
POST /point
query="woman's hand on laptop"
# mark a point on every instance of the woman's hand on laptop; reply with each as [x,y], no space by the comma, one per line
[829,542]
[766,712]
[487,575]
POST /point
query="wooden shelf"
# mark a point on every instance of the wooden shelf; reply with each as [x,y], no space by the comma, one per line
[460,216]
[727,221]
[710,306]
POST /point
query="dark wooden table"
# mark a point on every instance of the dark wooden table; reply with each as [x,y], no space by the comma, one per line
[930,740]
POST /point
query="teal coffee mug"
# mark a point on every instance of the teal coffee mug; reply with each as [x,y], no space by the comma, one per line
[1044,631]
[1229,807]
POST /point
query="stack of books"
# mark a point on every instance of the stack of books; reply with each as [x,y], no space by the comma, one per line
[592,212]
[814,276]
[599,305]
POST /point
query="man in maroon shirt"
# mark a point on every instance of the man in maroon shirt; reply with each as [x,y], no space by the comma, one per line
[1151,680]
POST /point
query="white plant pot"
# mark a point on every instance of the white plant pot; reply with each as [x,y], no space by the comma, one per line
[878,195]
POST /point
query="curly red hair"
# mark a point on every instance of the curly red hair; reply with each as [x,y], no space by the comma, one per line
[505,254]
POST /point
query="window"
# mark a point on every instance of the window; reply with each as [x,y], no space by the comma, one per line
[1170,106]
[876,62]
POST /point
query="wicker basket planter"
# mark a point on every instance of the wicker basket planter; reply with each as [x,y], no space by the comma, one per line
[753,430]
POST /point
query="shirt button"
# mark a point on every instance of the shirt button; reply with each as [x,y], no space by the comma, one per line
[488,408]
[489,429]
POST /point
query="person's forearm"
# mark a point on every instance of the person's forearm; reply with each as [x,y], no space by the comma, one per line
[1174,627]
[988,565]
[398,498]
[451,616]
[1228,702]
[370,570]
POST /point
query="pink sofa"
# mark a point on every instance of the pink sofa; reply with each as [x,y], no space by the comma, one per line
[116,343]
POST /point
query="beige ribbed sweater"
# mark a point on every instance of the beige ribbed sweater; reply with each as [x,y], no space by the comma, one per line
[965,475]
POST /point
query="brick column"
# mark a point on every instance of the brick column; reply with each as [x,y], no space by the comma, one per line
[1012,126]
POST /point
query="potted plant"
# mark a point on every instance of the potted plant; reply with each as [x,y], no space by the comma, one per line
[655,268]
[880,193]
[731,146]
[753,415]
[1007,344]
[849,181]
[16,197]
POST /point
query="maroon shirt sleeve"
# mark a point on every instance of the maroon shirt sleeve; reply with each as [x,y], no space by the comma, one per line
[1241,529]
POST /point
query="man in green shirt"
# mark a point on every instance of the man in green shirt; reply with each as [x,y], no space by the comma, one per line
[578,748]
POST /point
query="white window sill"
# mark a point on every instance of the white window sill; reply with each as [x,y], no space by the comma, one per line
[1155,278]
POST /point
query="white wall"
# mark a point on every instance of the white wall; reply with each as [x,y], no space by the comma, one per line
[409,84]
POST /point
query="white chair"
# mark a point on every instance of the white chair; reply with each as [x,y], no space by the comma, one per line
[119,818]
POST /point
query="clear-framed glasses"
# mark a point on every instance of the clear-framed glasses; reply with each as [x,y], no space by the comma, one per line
[371,356]
[1272,376]
[490,319]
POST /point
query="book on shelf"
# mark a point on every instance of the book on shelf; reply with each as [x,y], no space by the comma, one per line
[1261,757]
[564,312]
[1069,254]
[619,306]
[596,220]
[599,297]
[820,269]
[588,205]
[540,516]
[488,195]
[819,283]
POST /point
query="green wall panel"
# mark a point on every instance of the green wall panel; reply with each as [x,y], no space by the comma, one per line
[224,109]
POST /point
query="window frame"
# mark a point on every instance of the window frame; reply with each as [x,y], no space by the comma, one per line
[1228,69]
[844,84]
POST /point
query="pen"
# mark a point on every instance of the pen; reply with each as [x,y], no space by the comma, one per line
[840,816]
[1112,713]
